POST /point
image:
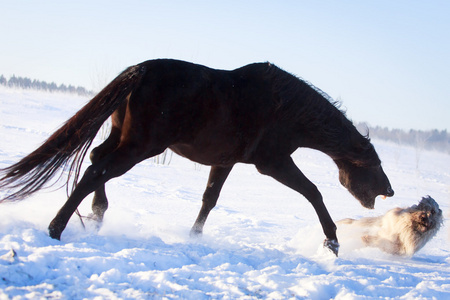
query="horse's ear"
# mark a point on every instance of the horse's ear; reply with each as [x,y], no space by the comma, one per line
[360,143]
[363,128]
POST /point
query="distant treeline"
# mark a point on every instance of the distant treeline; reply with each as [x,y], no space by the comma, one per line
[430,139]
[27,83]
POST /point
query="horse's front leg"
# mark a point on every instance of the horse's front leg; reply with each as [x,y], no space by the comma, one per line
[285,171]
[217,177]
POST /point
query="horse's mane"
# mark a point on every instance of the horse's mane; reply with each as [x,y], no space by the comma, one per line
[321,119]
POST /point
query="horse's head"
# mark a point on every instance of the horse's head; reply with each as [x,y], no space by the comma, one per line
[365,183]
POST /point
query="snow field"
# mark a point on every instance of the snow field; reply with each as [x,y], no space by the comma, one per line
[262,240]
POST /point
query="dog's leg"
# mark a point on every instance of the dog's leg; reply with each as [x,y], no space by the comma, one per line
[393,247]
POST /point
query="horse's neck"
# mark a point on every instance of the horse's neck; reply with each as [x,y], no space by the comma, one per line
[342,143]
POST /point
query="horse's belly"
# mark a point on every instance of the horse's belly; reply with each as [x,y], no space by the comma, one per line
[217,156]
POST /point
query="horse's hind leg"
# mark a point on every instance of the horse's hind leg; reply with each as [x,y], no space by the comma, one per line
[122,159]
[100,201]
[217,177]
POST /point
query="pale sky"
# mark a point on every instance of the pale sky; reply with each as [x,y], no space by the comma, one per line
[387,61]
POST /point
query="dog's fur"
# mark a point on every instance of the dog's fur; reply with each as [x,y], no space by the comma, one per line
[401,231]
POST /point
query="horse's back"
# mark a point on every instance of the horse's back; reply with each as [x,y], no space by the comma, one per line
[208,115]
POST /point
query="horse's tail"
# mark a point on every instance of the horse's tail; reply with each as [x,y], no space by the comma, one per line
[69,144]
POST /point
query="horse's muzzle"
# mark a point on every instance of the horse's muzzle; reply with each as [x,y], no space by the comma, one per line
[390,192]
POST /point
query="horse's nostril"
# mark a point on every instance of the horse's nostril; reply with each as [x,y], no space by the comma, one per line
[389,192]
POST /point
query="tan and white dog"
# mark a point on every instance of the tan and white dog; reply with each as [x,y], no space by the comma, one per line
[401,231]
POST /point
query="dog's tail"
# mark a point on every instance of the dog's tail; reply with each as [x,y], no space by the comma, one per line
[67,147]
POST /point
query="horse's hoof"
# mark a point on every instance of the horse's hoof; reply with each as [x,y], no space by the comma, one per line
[195,233]
[331,245]
[54,234]
[55,229]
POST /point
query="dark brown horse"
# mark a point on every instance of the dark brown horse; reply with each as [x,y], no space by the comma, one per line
[257,114]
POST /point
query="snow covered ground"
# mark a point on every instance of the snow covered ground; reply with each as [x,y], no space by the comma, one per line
[261,241]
